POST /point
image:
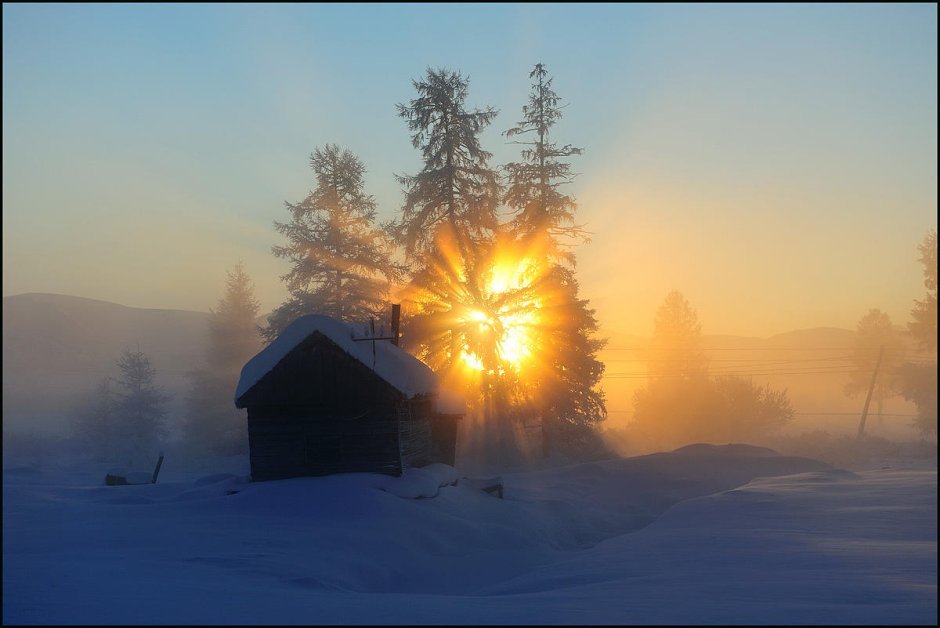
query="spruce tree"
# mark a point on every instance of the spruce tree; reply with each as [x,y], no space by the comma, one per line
[233,330]
[456,186]
[571,405]
[341,265]
[212,422]
[533,188]
[139,411]
[676,347]
[94,426]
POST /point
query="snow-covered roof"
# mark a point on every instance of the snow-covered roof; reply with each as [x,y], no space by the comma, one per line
[403,371]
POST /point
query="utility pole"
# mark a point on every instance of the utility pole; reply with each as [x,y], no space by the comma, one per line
[871,388]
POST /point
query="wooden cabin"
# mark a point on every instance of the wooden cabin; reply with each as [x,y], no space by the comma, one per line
[321,400]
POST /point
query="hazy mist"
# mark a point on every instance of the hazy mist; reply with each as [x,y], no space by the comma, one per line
[777,168]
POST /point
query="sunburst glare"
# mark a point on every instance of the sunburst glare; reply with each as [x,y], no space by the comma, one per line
[482,310]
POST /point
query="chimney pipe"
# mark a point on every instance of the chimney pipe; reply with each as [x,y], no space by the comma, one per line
[396,320]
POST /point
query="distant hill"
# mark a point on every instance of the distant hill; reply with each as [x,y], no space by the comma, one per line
[815,338]
[57,347]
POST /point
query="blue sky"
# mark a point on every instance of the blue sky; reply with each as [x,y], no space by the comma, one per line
[777,164]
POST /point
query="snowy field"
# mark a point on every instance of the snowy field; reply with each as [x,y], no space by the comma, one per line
[703,535]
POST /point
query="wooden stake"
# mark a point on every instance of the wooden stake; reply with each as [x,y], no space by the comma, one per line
[156,471]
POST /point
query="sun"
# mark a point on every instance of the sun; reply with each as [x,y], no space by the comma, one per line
[506,316]
[481,309]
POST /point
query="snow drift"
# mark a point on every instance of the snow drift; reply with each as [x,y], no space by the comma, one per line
[705,534]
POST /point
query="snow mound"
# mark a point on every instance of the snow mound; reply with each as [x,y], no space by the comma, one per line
[420,482]
[658,539]
[214,479]
[824,477]
[139,477]
[737,449]
[211,487]
[22,470]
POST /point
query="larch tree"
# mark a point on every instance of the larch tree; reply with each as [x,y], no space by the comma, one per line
[212,423]
[456,187]
[341,262]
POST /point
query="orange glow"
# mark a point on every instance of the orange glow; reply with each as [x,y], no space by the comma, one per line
[481,311]
[471,360]
[505,319]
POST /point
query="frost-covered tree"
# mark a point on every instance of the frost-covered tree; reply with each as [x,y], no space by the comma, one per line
[917,381]
[534,184]
[506,325]
[94,424]
[923,325]
[500,303]
[675,349]
[123,418]
[233,330]
[456,186]
[141,403]
[671,412]
[341,264]
[681,404]
[571,404]
[212,422]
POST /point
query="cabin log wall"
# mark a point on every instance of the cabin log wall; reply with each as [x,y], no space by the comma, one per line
[321,411]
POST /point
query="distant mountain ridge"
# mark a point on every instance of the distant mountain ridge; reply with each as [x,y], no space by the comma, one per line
[819,335]
[57,347]
[809,338]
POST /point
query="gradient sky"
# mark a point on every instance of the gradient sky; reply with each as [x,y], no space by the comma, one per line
[776,164]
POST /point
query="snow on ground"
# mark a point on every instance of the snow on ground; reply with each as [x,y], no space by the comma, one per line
[703,535]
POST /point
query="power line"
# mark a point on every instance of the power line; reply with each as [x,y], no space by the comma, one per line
[827,359]
[852,414]
[804,372]
[842,348]
[855,414]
